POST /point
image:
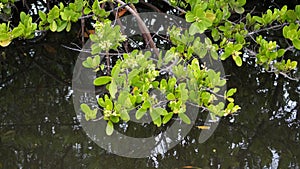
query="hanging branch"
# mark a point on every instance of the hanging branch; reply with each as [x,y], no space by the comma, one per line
[142,26]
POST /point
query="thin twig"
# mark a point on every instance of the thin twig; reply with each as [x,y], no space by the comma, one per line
[150,5]
[89,51]
[266,29]
[121,26]
[176,7]
[284,75]
[108,62]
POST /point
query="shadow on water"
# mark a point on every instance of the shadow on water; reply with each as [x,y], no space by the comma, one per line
[39,129]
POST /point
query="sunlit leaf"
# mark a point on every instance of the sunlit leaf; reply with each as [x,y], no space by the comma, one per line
[102,80]
[171,96]
[296,43]
[109,128]
[140,113]
[231,92]
[167,117]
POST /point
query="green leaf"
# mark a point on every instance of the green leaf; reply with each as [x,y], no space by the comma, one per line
[17,31]
[280,52]
[124,115]
[190,17]
[140,113]
[53,26]
[230,99]
[231,92]
[146,104]
[87,10]
[109,128]
[53,14]
[161,111]
[114,119]
[101,102]
[124,99]
[102,80]
[68,26]
[167,117]
[154,115]
[171,96]
[171,84]
[61,26]
[184,118]
[108,103]
[241,2]
[96,61]
[163,84]
[22,17]
[194,29]
[258,19]
[157,122]
[214,54]
[238,61]
[239,10]
[85,108]
[42,15]
[113,89]
[132,74]
[296,43]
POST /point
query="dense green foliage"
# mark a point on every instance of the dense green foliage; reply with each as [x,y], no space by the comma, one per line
[131,79]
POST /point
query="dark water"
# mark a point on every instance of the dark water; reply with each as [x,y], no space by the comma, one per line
[39,129]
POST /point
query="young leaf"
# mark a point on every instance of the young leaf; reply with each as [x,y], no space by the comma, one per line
[114,119]
[154,115]
[171,96]
[124,115]
[230,92]
[184,118]
[85,108]
[140,113]
[231,100]
[167,118]
[53,26]
[161,111]
[238,60]
[296,43]
[109,128]
[102,80]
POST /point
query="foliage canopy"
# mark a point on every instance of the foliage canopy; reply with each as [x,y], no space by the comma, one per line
[130,80]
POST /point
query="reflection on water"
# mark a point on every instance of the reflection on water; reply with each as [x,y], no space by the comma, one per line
[39,129]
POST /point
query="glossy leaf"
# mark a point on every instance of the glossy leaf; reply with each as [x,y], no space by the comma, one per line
[231,92]
[296,43]
[102,80]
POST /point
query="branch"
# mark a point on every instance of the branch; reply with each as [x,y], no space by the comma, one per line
[142,25]
[266,29]
[284,75]
[176,7]
[150,5]
[89,51]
